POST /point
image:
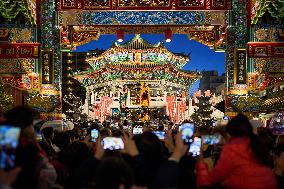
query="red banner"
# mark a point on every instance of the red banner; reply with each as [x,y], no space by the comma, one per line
[19,50]
[102,109]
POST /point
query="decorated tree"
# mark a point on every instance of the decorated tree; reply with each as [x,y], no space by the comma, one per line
[202,114]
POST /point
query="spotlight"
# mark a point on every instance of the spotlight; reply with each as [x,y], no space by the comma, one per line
[168,35]
[120,35]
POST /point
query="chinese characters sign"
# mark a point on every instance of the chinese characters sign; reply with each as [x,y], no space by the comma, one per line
[19,50]
[240,66]
[47,67]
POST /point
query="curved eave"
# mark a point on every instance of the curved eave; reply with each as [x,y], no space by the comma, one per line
[100,76]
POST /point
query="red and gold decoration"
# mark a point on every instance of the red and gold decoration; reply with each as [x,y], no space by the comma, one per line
[84,36]
[266,49]
[252,78]
[146,5]
[4,34]
[144,95]
[138,75]
[19,50]
[103,108]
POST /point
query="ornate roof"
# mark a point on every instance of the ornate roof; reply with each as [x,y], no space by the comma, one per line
[137,60]
[138,51]
[138,43]
[154,72]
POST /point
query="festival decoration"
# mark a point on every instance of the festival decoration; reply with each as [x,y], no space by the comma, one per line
[17,65]
[102,108]
[4,34]
[168,35]
[145,5]
[137,74]
[6,99]
[10,10]
[266,49]
[260,7]
[240,66]
[202,115]
[119,35]
[47,67]
[19,50]
[144,95]
[201,19]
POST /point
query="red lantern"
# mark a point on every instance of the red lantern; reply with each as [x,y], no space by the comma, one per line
[168,35]
[120,35]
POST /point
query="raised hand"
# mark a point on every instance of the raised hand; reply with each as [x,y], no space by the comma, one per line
[180,148]
[129,145]
[169,142]
[99,148]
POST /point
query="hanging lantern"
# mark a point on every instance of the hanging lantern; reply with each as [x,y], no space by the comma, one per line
[120,35]
[168,35]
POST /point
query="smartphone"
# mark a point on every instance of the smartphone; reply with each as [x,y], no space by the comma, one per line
[211,139]
[113,143]
[160,134]
[9,138]
[94,135]
[137,130]
[187,130]
[195,146]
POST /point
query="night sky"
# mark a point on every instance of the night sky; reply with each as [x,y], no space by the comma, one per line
[202,58]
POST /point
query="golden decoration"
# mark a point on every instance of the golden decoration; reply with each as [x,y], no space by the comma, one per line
[81,37]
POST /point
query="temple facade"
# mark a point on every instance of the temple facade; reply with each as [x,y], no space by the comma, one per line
[136,75]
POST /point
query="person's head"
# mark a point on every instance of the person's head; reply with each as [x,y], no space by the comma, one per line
[47,133]
[239,126]
[75,154]
[23,117]
[105,132]
[74,136]
[62,140]
[279,158]
[114,173]
[150,146]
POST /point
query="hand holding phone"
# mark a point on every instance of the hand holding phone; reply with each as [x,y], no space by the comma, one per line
[211,139]
[160,134]
[187,130]
[94,135]
[113,143]
[9,138]
[137,130]
[195,146]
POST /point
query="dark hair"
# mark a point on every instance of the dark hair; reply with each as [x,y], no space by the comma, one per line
[150,147]
[240,126]
[75,154]
[61,140]
[20,116]
[279,149]
[47,132]
[112,172]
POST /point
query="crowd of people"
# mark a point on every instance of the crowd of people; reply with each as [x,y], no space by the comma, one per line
[77,159]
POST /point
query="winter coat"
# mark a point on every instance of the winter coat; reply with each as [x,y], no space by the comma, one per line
[237,168]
